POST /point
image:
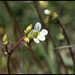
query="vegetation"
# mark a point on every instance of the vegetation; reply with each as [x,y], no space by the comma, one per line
[20,53]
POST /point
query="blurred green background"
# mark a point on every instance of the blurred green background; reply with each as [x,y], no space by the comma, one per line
[22,60]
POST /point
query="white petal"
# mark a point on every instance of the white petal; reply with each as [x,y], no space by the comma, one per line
[43,32]
[36,40]
[37,26]
[47,12]
[41,38]
[32,32]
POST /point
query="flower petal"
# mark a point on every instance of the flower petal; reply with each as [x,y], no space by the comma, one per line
[36,40]
[43,32]
[41,38]
[37,26]
[32,32]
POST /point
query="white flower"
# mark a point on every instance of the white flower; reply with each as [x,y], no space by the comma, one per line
[47,12]
[37,34]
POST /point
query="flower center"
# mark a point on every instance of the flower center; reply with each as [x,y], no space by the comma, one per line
[35,34]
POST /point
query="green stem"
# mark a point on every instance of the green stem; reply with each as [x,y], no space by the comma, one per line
[22,55]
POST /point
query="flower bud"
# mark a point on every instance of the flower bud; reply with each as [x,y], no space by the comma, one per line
[43,4]
[25,31]
[5,38]
[61,31]
[26,39]
[55,15]
[30,36]
[5,53]
[24,43]
[60,36]
[6,43]
[47,20]
[28,29]
[47,12]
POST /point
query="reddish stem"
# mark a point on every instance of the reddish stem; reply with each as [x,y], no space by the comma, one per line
[5,47]
[10,53]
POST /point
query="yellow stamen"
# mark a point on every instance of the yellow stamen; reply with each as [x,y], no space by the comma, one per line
[35,34]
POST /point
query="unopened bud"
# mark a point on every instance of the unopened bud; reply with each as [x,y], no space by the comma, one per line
[55,15]
[24,43]
[43,4]
[5,53]
[61,31]
[30,36]
[47,12]
[25,31]
[28,29]
[60,36]
[47,20]
[26,39]
[6,43]
[5,38]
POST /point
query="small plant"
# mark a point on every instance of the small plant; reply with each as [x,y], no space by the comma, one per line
[27,38]
[35,35]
